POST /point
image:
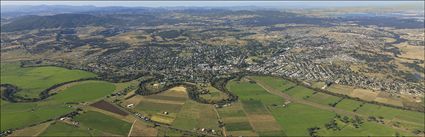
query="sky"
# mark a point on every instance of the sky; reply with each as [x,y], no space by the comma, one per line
[211,3]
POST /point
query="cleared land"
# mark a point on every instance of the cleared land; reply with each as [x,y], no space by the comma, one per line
[256,104]
[109,107]
[104,123]
[33,80]
[296,113]
[16,115]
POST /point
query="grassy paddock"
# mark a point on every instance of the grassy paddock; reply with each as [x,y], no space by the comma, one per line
[33,80]
[104,123]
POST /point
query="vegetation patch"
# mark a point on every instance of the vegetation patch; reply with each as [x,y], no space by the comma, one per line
[33,80]
[239,126]
[109,107]
[104,123]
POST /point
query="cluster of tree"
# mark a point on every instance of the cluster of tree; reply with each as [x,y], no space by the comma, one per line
[332,125]
[378,119]
[313,131]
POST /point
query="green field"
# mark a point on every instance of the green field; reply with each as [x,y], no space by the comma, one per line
[104,123]
[15,115]
[238,126]
[195,115]
[277,83]
[297,118]
[249,91]
[300,92]
[62,129]
[256,102]
[33,80]
[324,99]
[348,104]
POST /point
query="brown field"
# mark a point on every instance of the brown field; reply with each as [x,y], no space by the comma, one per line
[262,123]
[133,100]
[341,89]
[165,119]
[31,131]
[109,107]
[384,97]
[364,94]
[140,129]
[411,52]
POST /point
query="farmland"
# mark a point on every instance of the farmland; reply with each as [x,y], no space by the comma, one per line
[18,115]
[320,117]
[218,71]
[257,112]
[103,123]
[33,80]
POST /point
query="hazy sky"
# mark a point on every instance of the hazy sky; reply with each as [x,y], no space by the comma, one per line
[211,3]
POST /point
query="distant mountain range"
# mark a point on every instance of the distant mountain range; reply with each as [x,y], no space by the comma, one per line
[56,21]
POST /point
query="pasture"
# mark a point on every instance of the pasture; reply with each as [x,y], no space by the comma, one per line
[295,119]
[170,101]
[277,83]
[63,129]
[16,115]
[348,104]
[256,103]
[324,99]
[34,80]
[196,115]
[103,123]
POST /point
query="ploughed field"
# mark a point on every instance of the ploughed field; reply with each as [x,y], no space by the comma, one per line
[266,106]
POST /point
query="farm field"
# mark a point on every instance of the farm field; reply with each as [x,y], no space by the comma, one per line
[103,123]
[170,102]
[256,103]
[63,129]
[370,128]
[19,115]
[196,115]
[33,80]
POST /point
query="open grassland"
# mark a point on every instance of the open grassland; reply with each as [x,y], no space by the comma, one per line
[411,52]
[31,131]
[348,104]
[33,80]
[278,83]
[300,92]
[367,129]
[104,123]
[63,129]
[16,115]
[196,115]
[324,99]
[256,104]
[296,118]
[140,128]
